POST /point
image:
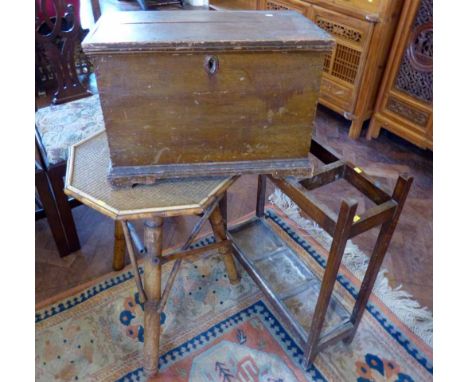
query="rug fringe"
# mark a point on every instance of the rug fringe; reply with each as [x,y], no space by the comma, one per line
[418,319]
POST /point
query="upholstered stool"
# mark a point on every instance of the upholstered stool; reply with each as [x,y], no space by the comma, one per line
[86,180]
[60,126]
[57,128]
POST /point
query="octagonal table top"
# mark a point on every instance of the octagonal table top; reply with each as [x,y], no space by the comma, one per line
[86,180]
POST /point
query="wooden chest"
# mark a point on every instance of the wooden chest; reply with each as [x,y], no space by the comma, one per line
[190,93]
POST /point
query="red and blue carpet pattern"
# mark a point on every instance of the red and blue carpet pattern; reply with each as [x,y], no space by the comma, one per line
[213,331]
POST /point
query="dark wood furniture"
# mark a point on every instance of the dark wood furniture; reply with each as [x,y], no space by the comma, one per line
[238,93]
[145,3]
[58,38]
[47,208]
[233,5]
[404,104]
[64,232]
[347,225]
[86,181]
[57,128]
[352,71]
[96,9]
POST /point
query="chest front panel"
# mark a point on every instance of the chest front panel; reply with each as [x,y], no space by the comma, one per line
[167,108]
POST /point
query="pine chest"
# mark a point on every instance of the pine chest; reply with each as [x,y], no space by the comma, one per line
[195,93]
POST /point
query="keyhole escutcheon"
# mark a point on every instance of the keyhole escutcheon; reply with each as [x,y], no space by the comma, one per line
[211,64]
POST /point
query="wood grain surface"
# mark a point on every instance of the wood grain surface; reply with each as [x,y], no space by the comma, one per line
[258,106]
[200,30]
[220,90]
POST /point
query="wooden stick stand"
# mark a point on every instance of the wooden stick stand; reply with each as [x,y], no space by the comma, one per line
[385,213]
[150,288]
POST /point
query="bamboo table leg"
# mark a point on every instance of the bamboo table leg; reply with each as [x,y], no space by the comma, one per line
[217,224]
[152,287]
[223,208]
[119,247]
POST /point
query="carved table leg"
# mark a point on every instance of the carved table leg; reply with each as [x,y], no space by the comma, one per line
[119,247]
[217,224]
[373,130]
[152,287]
[355,129]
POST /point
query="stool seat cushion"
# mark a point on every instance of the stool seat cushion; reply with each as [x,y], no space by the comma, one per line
[61,126]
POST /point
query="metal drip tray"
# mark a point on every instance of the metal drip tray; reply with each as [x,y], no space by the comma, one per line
[291,286]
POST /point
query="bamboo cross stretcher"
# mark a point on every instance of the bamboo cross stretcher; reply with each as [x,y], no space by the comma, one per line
[184,253]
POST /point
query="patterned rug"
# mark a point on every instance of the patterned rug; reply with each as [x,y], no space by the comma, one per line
[216,332]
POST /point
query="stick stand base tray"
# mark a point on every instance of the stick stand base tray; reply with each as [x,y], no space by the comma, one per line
[285,277]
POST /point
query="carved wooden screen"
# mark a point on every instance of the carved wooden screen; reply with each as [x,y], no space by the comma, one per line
[415,73]
[271,5]
[344,62]
[275,5]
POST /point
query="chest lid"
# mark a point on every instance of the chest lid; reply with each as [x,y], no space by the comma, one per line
[205,30]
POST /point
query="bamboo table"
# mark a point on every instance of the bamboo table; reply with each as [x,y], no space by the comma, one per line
[86,180]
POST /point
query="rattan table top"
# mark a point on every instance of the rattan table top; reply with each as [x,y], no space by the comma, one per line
[86,180]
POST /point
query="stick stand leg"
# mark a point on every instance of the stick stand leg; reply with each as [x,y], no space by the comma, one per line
[261,189]
[152,286]
[343,227]
[119,247]
[219,231]
[400,193]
